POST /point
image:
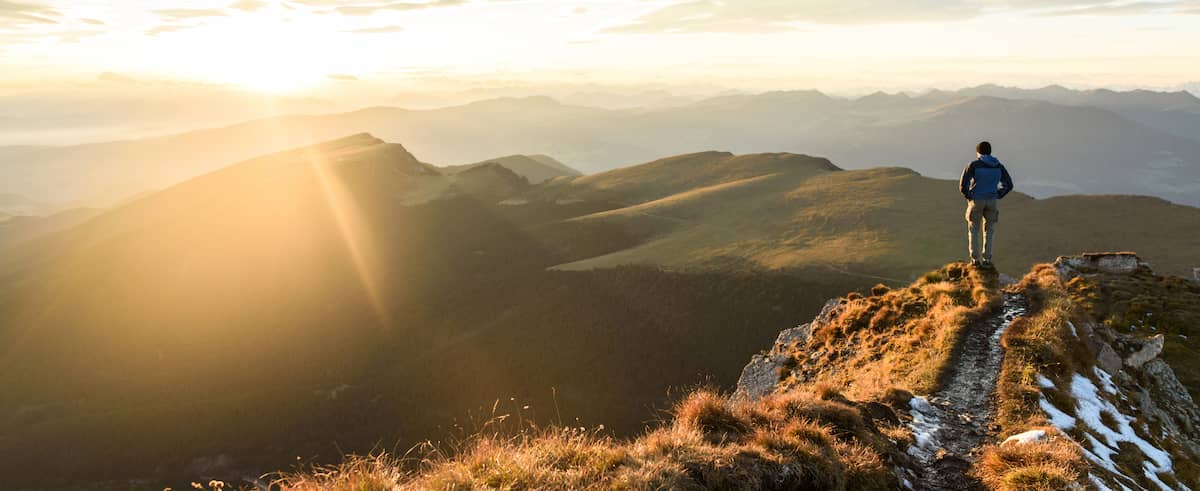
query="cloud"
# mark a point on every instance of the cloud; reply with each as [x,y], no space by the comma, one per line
[94,22]
[342,77]
[377,30]
[1130,8]
[165,28]
[773,15]
[18,13]
[188,14]
[766,15]
[368,9]
[248,5]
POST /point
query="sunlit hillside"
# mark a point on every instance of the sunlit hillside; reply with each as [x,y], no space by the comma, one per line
[342,296]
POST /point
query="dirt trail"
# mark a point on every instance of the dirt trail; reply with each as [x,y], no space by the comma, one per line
[956,419]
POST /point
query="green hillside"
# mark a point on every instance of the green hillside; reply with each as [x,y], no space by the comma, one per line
[780,211]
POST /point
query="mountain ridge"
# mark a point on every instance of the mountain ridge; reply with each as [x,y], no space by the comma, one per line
[1149,151]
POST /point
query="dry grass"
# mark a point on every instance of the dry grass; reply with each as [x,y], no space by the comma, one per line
[1036,343]
[896,337]
[1052,464]
[793,441]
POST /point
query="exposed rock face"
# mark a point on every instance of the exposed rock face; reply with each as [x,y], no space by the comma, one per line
[1099,262]
[762,375]
[1133,360]
[1168,402]
[1150,349]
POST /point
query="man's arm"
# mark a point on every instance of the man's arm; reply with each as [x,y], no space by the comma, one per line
[964,183]
[1006,180]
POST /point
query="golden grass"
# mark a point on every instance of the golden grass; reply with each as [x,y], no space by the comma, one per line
[792,441]
[1038,343]
[1052,464]
[893,338]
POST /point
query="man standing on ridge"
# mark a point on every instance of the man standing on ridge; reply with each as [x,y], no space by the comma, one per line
[984,183]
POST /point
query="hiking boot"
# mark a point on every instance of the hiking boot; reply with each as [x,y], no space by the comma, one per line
[975,263]
[987,264]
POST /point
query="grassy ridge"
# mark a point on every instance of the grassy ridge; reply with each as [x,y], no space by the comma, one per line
[834,424]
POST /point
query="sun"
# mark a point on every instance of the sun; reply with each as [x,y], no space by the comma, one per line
[261,55]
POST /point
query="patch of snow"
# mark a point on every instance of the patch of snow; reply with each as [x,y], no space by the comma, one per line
[1044,382]
[1026,437]
[1105,380]
[1151,475]
[1058,419]
[925,425]
[1073,331]
[1089,408]
[1101,486]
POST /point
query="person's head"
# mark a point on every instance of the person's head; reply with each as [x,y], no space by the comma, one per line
[983,148]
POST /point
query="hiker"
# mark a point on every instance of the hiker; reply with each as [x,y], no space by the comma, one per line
[984,183]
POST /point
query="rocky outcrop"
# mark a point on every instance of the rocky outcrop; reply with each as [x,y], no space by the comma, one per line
[1134,361]
[1149,349]
[762,375]
[1099,262]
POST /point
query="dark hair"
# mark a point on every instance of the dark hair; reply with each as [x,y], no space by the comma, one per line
[984,148]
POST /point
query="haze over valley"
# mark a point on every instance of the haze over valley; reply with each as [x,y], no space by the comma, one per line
[309,245]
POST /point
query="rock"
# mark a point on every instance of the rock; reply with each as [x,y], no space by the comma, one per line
[798,335]
[1098,262]
[832,308]
[1150,350]
[1170,403]
[1108,359]
[760,376]
[1023,438]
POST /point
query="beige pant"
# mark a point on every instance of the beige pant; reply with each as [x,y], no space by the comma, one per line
[983,213]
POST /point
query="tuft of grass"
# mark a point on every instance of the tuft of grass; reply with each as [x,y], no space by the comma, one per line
[712,415]
[1053,464]
[358,473]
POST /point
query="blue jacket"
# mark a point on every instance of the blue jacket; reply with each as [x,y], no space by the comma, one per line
[982,179]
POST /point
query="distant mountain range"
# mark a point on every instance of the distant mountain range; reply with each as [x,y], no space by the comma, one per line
[1056,141]
[350,289]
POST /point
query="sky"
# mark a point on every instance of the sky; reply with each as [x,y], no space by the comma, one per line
[308,46]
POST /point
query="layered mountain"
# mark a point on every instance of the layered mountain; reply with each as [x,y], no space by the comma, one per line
[347,296]
[1057,141]
[535,168]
